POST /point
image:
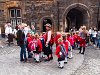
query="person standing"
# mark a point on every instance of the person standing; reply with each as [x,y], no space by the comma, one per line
[8,32]
[48,46]
[61,53]
[22,43]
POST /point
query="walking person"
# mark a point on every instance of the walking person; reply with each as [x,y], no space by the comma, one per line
[94,37]
[98,40]
[82,39]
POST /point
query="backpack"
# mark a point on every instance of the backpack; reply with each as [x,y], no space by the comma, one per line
[83,35]
[63,52]
[32,45]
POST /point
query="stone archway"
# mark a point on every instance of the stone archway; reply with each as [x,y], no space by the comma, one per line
[76,15]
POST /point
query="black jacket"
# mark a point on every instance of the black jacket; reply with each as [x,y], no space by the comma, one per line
[20,37]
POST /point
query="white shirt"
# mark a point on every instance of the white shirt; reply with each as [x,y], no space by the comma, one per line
[48,37]
[90,31]
[14,31]
[8,30]
[94,34]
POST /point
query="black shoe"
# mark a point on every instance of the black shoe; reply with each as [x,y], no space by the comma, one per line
[82,53]
[22,60]
[79,52]
[37,61]
[51,58]
[25,60]
[47,60]
[65,62]
[61,67]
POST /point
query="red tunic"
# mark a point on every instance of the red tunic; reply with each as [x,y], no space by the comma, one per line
[58,49]
[39,45]
[66,45]
[56,38]
[82,42]
[71,40]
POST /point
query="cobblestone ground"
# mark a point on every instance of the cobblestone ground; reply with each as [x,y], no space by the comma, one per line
[91,64]
[10,64]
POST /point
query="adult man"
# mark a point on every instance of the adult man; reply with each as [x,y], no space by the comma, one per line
[22,43]
[48,45]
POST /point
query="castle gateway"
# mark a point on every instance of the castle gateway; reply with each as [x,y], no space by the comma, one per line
[61,14]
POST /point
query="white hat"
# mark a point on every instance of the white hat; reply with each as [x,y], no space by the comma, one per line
[48,25]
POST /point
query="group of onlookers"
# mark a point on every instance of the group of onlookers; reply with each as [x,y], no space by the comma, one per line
[95,37]
[40,45]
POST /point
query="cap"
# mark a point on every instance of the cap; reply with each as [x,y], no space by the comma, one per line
[48,25]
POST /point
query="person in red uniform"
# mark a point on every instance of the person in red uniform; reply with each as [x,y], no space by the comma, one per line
[82,39]
[38,48]
[71,40]
[76,36]
[61,53]
[48,44]
[29,39]
[66,43]
[58,35]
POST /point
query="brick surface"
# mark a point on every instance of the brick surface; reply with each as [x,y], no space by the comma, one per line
[91,64]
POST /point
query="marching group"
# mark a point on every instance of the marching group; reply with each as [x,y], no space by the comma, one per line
[39,45]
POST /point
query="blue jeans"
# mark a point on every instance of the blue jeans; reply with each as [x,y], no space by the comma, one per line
[23,52]
[98,43]
[94,40]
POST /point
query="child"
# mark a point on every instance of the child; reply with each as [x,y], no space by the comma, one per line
[29,39]
[71,40]
[38,47]
[58,35]
[61,53]
[43,43]
[66,43]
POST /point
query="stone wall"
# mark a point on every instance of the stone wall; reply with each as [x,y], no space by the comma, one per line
[37,10]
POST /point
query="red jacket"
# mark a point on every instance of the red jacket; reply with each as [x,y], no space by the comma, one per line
[82,42]
[71,40]
[29,39]
[35,43]
[75,37]
[66,45]
[58,49]
[56,38]
[39,45]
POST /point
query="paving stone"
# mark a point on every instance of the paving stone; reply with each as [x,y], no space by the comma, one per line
[10,64]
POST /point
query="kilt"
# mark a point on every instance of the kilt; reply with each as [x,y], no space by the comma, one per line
[48,49]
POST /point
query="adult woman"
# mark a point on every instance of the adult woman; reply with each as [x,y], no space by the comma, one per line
[82,39]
